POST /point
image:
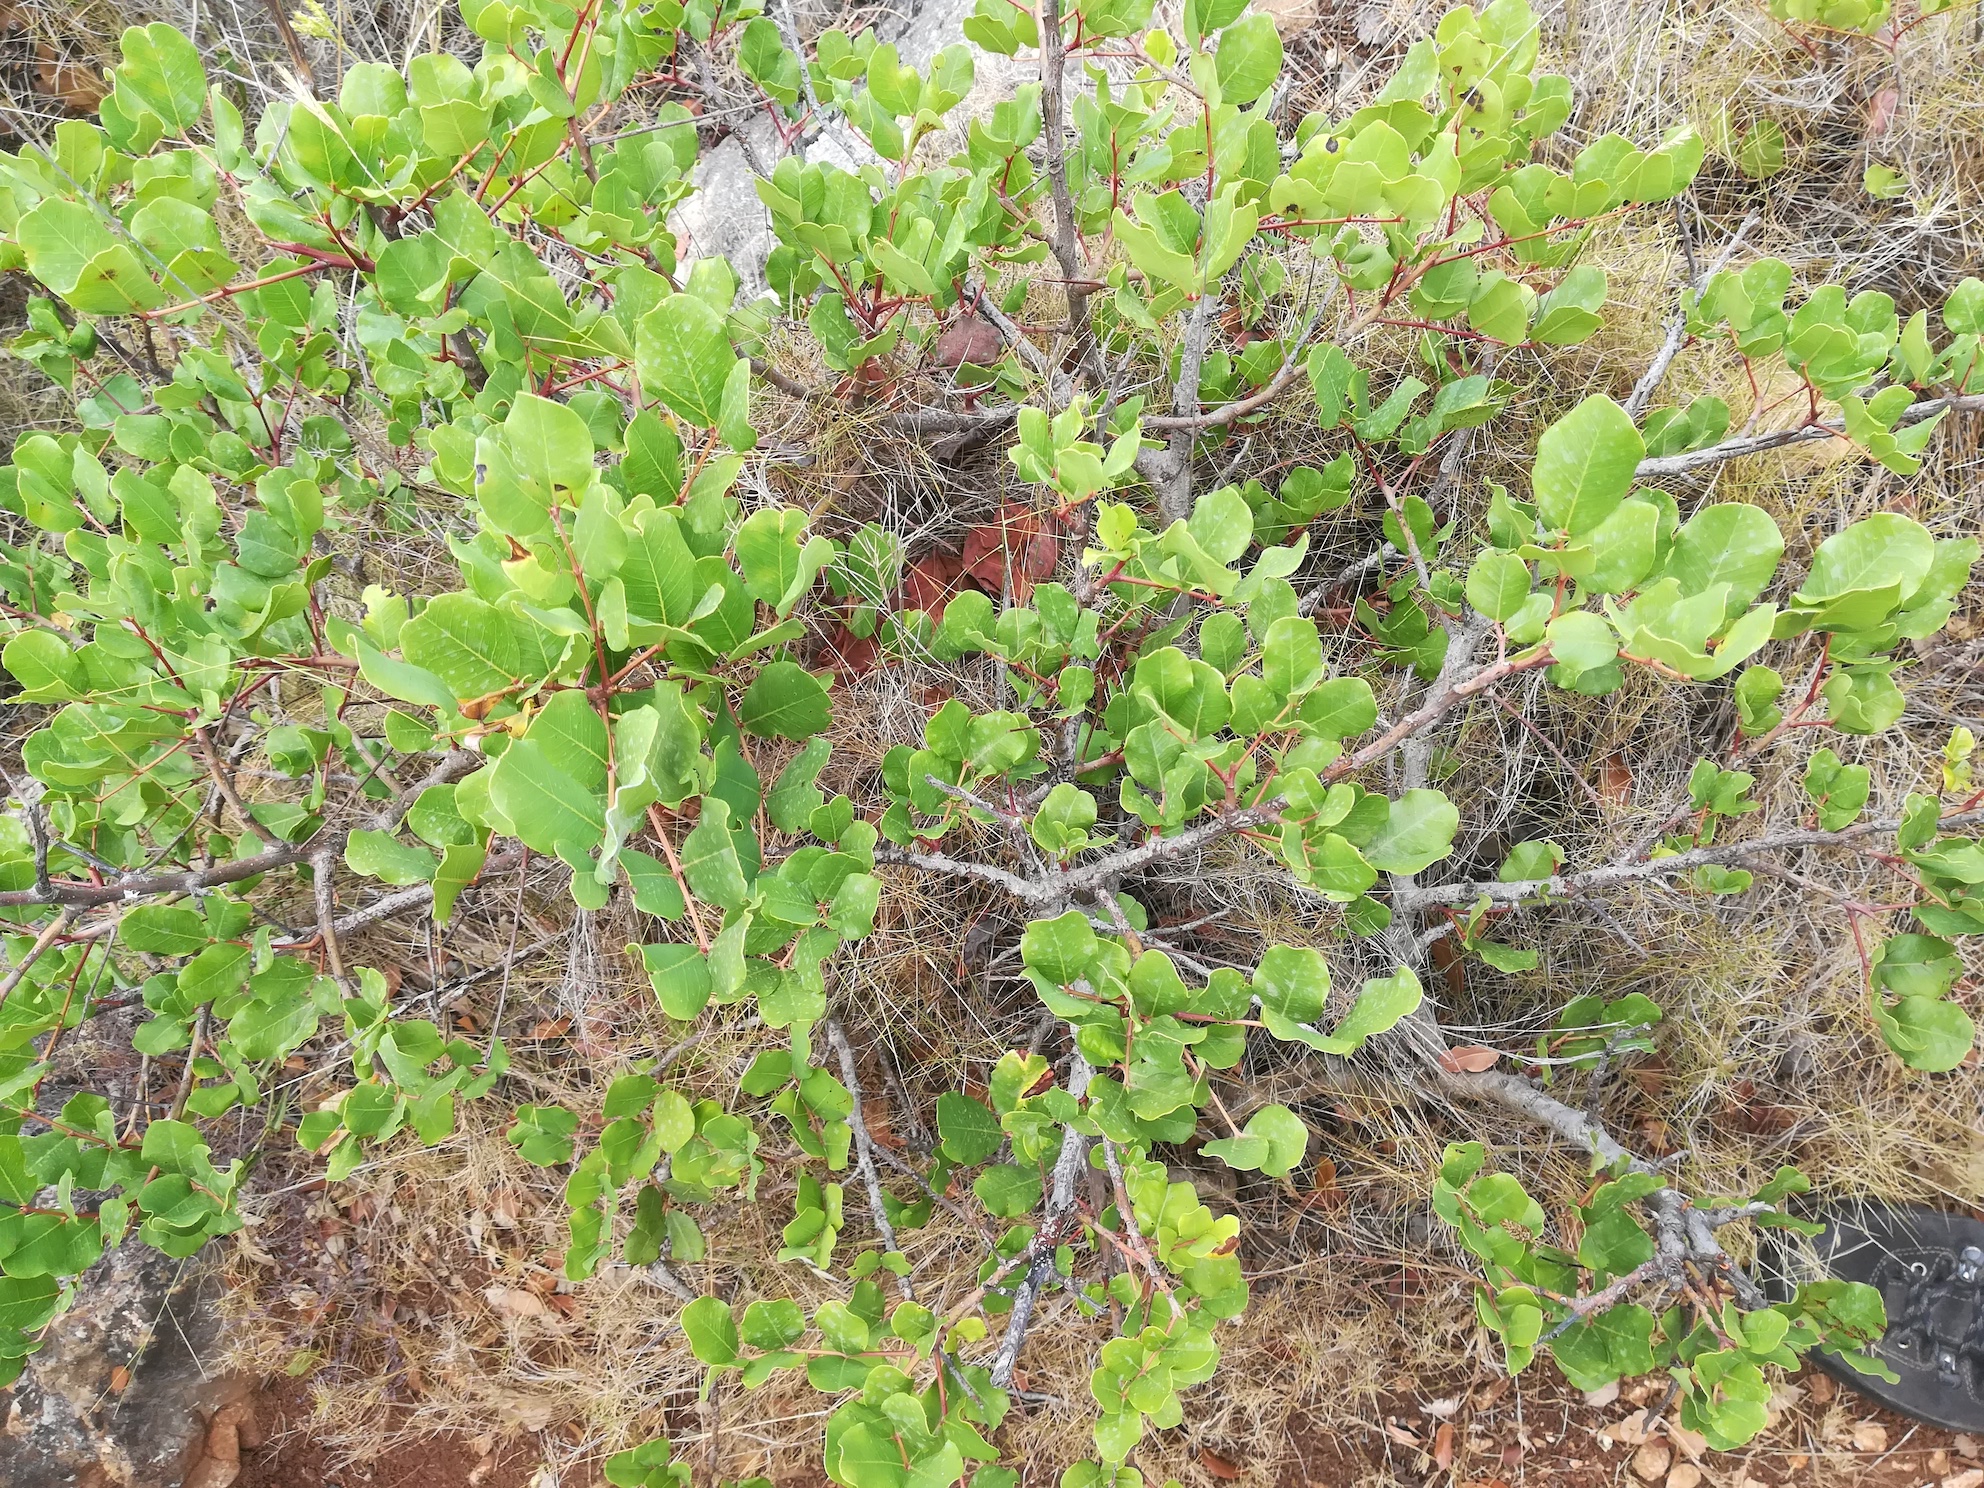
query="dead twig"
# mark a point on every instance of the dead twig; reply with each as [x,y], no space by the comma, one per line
[864,1151]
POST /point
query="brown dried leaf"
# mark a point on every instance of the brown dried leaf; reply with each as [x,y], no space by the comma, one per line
[1880,111]
[1012,554]
[1293,16]
[1220,1467]
[1324,1191]
[529,1412]
[1615,779]
[929,583]
[69,83]
[1629,1432]
[1470,1059]
[968,339]
[1870,1436]
[515,1302]
[848,654]
[1690,1444]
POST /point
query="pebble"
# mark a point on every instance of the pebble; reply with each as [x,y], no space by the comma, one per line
[1651,1460]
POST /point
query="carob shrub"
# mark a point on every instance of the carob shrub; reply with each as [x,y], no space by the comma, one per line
[454,286]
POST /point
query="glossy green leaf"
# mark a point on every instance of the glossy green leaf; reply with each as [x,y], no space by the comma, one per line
[1584,465]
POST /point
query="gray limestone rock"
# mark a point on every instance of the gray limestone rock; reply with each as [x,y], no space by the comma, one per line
[118,1392]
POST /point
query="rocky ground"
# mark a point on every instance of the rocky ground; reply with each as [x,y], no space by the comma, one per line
[124,1395]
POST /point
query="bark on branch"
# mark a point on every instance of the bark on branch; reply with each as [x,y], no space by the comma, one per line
[1568,884]
[1755,444]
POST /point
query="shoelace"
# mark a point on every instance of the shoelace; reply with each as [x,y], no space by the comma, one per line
[1941,1317]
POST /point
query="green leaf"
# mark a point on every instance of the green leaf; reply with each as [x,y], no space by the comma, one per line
[550,442]
[1341,707]
[542,1134]
[383,856]
[773,1323]
[399,679]
[1729,543]
[683,357]
[710,861]
[1623,548]
[1381,1006]
[794,797]
[785,701]
[970,1132]
[48,671]
[1498,584]
[163,930]
[768,548]
[1275,1141]
[1293,982]
[1928,1033]
[1584,465]
[551,783]
[1007,1191]
[469,644]
[1760,153]
[1963,311]
[777,569]
[1418,831]
[1581,642]
[1883,182]
[1222,524]
[852,912]
[161,67]
[681,977]
[1059,949]
[711,1330]
[1061,824]
[764,59]
[1249,58]
[1292,656]
[60,238]
[1838,790]
[1875,553]
[1531,861]
[1157,260]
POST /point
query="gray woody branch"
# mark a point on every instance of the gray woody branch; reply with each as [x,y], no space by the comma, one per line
[1568,884]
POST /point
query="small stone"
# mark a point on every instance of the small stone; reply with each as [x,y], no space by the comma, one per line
[1970,1477]
[1604,1395]
[1651,1460]
[224,1433]
[1870,1436]
[213,1473]
[1684,1475]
